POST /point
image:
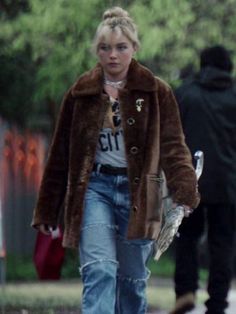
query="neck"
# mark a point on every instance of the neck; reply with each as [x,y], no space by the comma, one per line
[116,76]
[106,79]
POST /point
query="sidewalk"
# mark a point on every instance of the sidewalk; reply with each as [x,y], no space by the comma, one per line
[64,297]
[202,296]
[232,305]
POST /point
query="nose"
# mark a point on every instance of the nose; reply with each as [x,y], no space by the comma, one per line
[113,53]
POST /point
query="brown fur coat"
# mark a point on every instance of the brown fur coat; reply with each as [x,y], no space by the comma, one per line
[153,140]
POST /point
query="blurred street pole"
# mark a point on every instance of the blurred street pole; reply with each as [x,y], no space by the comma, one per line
[2,249]
[2,238]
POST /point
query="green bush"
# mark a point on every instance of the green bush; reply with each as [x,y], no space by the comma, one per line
[164,267]
[21,268]
[70,267]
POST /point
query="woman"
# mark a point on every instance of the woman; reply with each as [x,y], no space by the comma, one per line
[118,126]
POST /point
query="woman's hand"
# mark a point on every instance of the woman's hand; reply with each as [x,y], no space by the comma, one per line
[46,229]
[187,210]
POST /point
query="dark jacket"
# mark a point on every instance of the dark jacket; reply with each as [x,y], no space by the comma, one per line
[153,139]
[208,112]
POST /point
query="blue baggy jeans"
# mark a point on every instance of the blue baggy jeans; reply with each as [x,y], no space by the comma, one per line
[113,269]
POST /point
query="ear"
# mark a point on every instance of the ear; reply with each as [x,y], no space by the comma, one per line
[135,47]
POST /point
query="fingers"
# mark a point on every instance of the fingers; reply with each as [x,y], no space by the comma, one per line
[187,210]
[45,229]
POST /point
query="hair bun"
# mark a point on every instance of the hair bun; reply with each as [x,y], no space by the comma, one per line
[116,12]
[116,19]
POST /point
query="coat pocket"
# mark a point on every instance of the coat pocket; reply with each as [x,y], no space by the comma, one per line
[154,197]
[154,206]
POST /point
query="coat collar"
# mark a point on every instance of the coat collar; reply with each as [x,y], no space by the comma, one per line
[138,78]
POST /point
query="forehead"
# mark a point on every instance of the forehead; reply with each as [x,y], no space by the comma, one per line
[113,36]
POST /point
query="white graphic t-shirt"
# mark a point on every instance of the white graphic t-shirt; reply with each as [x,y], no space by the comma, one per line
[110,148]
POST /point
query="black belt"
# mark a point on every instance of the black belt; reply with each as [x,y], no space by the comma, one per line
[107,169]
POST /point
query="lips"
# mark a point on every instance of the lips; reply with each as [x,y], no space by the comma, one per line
[113,64]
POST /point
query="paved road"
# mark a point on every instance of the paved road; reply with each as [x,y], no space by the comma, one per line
[230,310]
[200,309]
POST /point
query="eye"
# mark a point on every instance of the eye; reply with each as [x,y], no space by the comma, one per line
[104,47]
[122,47]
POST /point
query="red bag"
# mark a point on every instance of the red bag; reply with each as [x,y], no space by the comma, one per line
[49,255]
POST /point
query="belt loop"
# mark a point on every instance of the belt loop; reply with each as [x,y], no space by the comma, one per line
[98,167]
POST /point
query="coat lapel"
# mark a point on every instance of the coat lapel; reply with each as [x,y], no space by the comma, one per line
[91,83]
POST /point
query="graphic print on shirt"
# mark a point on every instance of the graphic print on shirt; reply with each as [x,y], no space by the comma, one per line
[109,141]
[113,119]
[110,148]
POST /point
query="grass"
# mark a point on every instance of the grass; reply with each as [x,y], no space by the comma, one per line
[41,295]
[25,295]
[65,296]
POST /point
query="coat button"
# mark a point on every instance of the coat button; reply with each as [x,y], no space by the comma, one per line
[131,121]
[134,150]
[135,208]
[136,180]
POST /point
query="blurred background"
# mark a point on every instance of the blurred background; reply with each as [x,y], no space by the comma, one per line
[44,47]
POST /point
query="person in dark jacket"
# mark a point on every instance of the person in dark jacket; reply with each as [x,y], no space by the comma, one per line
[207,105]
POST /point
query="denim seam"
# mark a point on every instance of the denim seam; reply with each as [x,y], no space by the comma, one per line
[99,224]
[128,242]
[97,261]
[130,279]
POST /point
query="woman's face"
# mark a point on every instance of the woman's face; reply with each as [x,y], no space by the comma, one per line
[115,54]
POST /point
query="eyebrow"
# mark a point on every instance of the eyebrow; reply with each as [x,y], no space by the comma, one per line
[120,43]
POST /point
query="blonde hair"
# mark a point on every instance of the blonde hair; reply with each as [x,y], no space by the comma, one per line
[116,19]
